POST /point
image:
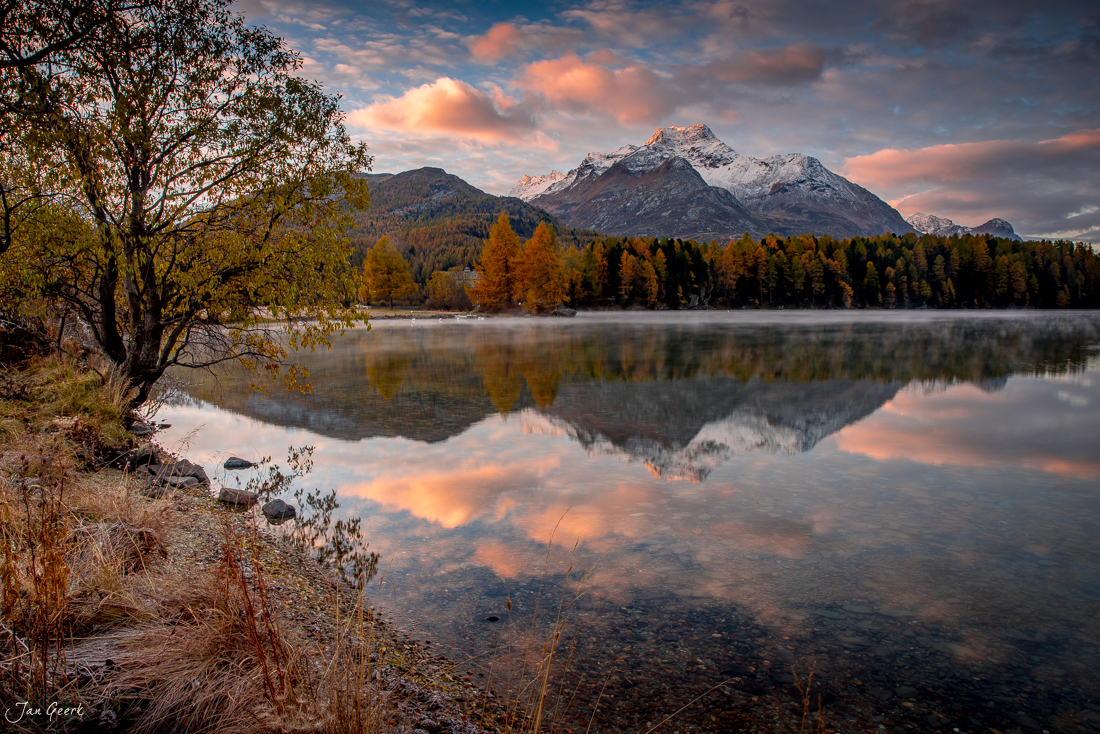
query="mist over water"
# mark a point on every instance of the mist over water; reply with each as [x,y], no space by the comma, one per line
[907,500]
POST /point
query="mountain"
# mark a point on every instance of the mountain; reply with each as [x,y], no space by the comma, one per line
[438,221]
[941,227]
[670,198]
[788,194]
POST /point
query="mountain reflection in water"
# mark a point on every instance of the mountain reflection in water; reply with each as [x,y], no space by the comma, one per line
[678,397]
[908,501]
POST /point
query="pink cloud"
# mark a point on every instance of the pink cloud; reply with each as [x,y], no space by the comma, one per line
[1045,188]
[449,106]
[952,428]
[953,163]
[631,94]
[499,42]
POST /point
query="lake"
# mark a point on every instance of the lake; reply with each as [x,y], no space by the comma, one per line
[906,503]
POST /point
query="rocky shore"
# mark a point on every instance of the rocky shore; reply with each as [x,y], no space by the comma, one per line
[426,691]
[179,530]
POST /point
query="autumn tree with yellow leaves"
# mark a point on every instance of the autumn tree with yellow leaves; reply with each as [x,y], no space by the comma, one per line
[386,275]
[496,286]
[185,186]
[539,279]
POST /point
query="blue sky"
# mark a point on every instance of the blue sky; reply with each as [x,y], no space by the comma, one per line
[967,110]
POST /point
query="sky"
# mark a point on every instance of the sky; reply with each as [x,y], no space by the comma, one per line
[967,109]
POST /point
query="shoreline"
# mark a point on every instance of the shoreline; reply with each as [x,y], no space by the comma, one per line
[171,609]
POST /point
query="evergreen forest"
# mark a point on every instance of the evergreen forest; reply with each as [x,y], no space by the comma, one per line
[886,271]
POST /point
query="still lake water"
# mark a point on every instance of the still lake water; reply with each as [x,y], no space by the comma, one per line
[910,502]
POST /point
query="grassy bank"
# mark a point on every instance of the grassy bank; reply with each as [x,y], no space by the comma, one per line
[128,609]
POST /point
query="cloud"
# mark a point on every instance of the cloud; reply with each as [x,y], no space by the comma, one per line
[499,42]
[631,94]
[452,107]
[953,163]
[925,23]
[1049,186]
[607,83]
[966,426]
[802,62]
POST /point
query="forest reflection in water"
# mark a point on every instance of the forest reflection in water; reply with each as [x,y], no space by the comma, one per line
[909,502]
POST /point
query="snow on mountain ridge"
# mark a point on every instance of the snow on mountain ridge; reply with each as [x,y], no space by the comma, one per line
[528,187]
[931,224]
[720,165]
[786,194]
[743,432]
[942,227]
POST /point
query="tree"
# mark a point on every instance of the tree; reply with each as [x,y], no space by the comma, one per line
[32,34]
[386,274]
[497,269]
[539,275]
[446,292]
[199,188]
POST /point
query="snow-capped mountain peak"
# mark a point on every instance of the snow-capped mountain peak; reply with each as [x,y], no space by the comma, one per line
[791,193]
[931,224]
[528,187]
[943,227]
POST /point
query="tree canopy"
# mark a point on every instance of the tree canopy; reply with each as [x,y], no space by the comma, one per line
[539,271]
[886,271]
[192,187]
[385,274]
[499,259]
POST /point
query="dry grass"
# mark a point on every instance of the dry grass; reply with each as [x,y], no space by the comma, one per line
[223,657]
[72,550]
[215,658]
[812,722]
[58,395]
[82,578]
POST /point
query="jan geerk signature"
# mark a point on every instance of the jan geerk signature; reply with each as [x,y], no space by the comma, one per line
[25,710]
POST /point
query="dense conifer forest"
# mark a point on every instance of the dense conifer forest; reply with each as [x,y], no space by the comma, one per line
[886,271]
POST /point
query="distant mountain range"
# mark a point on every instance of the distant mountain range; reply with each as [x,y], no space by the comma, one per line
[931,224]
[685,182]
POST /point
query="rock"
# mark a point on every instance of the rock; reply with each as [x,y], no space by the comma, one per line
[184,468]
[564,311]
[142,429]
[144,456]
[880,693]
[279,510]
[232,496]
[828,614]
[181,481]
[154,470]
[235,462]
[156,491]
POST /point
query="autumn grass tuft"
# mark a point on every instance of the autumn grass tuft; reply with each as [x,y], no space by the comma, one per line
[56,394]
[92,615]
